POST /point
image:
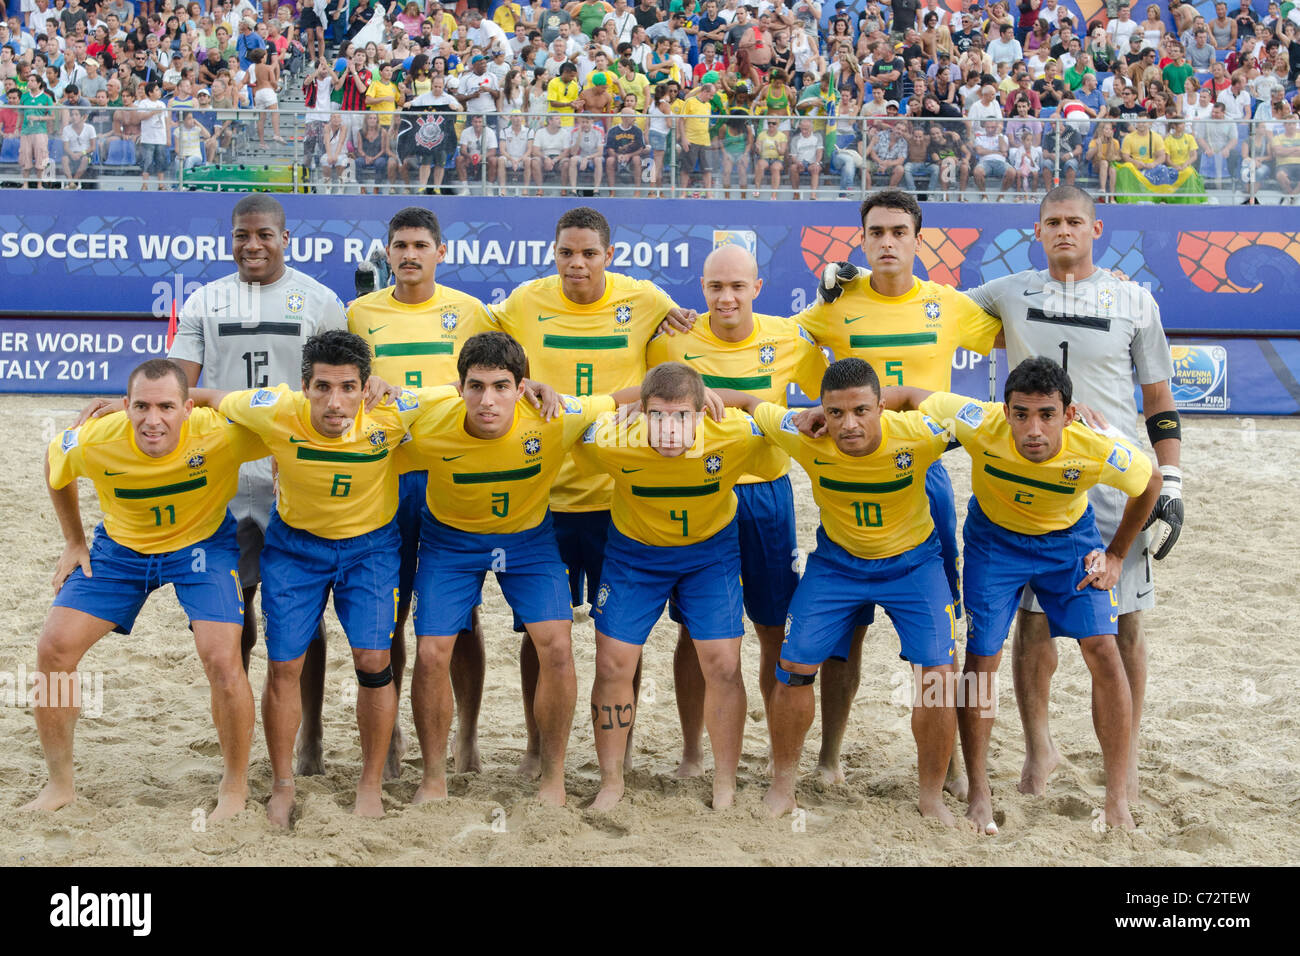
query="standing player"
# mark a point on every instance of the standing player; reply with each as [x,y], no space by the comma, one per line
[907,330]
[492,460]
[674,533]
[761,355]
[164,473]
[1029,522]
[247,330]
[1105,332]
[586,330]
[332,532]
[415,329]
[877,544]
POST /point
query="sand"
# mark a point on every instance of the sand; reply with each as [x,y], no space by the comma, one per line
[1220,757]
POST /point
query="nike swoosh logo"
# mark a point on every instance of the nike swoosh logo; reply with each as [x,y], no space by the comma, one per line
[114,474]
[691,358]
[628,471]
[854,319]
[1035,292]
[546,318]
[376,329]
[1142,594]
[818,461]
[452,458]
[1114,618]
[297,441]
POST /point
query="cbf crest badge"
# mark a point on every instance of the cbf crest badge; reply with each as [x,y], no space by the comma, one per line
[532,445]
[196,461]
[932,310]
[623,314]
[903,460]
[378,437]
[767,354]
[449,320]
[294,302]
[713,464]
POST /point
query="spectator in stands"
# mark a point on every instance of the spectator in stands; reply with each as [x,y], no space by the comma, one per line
[516,154]
[562,93]
[33,145]
[1104,153]
[585,154]
[887,152]
[626,148]
[476,154]
[1286,158]
[849,156]
[770,148]
[1026,166]
[1063,142]
[991,150]
[805,155]
[370,149]
[190,140]
[550,144]
[919,166]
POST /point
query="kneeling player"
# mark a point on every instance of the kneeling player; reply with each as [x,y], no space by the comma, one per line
[877,544]
[1029,523]
[164,473]
[674,534]
[492,460]
[333,531]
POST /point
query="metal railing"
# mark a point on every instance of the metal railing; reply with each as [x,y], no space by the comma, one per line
[227,148]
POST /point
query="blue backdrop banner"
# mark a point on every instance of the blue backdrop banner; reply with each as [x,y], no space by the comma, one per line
[82,272]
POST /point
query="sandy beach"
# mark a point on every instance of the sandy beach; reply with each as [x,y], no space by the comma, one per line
[1220,755]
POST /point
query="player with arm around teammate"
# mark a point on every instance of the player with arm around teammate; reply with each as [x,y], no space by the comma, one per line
[876,544]
[673,534]
[1107,334]
[165,473]
[332,532]
[732,347]
[1029,523]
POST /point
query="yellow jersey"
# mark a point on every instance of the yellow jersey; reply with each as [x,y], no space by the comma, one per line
[669,502]
[157,505]
[331,487]
[873,506]
[497,485]
[908,339]
[1035,497]
[775,355]
[417,345]
[564,93]
[593,349]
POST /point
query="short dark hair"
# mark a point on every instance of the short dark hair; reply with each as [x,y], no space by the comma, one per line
[156,368]
[1039,375]
[584,217]
[335,347]
[492,350]
[673,381]
[850,373]
[415,217]
[259,204]
[892,199]
[1066,193]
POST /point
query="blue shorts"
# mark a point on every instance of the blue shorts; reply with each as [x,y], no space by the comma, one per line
[412,488]
[999,563]
[703,578]
[768,551]
[205,576]
[300,569]
[580,536]
[943,512]
[836,584]
[453,564]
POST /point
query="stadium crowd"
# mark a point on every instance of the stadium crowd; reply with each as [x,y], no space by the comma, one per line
[676,97]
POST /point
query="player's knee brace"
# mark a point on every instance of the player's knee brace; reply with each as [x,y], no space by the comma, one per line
[791,679]
[376,678]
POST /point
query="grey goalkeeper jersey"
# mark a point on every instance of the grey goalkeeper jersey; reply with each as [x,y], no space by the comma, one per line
[1101,329]
[247,335]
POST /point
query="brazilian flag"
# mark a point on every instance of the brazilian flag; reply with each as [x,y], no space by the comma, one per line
[1159,184]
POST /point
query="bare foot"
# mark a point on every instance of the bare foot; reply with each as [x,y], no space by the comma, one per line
[396,750]
[52,797]
[955,782]
[465,747]
[370,802]
[280,806]
[430,789]
[1117,814]
[551,794]
[934,807]
[229,803]
[311,756]
[1034,774]
[610,794]
[980,811]
[530,767]
[778,802]
[724,795]
[689,767]
[829,773]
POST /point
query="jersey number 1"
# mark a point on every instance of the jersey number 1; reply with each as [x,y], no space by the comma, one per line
[583,384]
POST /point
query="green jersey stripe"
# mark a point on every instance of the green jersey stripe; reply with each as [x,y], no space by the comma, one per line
[580,342]
[345,457]
[413,348]
[486,477]
[751,383]
[1031,482]
[162,490]
[890,341]
[675,491]
[872,487]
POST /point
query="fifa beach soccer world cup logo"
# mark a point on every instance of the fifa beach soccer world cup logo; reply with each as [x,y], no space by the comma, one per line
[1200,376]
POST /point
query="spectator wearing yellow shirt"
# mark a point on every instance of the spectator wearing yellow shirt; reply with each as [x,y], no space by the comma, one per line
[444,24]
[562,92]
[1104,153]
[383,96]
[507,15]
[771,147]
[693,112]
[1143,147]
[1286,153]
[1180,146]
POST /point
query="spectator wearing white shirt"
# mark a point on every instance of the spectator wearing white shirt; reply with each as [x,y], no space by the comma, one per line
[78,145]
[36,19]
[1119,29]
[478,147]
[1006,48]
[986,107]
[516,141]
